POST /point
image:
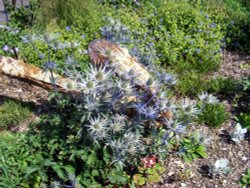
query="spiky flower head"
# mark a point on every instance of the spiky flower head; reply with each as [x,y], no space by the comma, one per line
[208,98]
[174,126]
[189,107]
[99,74]
[97,128]
[149,112]
[117,124]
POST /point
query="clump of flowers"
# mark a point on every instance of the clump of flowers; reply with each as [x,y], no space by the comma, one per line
[149,162]
[129,121]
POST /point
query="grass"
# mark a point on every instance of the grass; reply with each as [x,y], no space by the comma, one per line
[13,113]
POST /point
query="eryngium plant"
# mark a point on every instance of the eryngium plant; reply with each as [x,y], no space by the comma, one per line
[128,120]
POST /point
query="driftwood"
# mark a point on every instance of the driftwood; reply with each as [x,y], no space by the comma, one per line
[100,51]
[19,69]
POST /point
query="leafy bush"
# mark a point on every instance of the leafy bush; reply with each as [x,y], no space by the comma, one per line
[190,84]
[192,147]
[213,115]
[63,46]
[12,113]
[233,16]
[183,32]
[17,153]
[21,17]
[86,15]
[9,41]
[223,85]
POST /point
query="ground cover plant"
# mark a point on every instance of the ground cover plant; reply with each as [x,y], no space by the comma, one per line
[114,133]
[13,113]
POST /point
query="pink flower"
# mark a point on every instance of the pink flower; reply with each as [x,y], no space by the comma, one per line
[149,162]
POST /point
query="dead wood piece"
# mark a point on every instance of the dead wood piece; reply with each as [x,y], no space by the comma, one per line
[19,69]
[101,51]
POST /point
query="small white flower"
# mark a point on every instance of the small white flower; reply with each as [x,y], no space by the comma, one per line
[131,137]
[124,86]
[118,124]
[174,126]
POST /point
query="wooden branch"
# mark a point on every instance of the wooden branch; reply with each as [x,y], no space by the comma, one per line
[100,51]
[19,69]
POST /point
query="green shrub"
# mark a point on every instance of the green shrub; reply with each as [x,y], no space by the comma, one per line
[64,44]
[213,115]
[12,113]
[17,153]
[192,147]
[223,85]
[183,32]
[190,84]
[233,16]
[86,15]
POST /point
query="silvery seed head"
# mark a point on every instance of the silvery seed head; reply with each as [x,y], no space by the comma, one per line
[97,128]
[189,107]
[208,98]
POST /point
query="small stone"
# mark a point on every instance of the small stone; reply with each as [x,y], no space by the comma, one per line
[183,185]
[244,158]
[20,90]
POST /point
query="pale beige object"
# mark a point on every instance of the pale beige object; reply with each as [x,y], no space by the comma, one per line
[19,69]
[101,50]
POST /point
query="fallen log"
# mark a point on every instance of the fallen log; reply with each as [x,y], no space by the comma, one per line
[19,69]
[100,51]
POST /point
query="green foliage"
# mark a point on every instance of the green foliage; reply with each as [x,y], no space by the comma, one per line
[17,154]
[21,17]
[184,33]
[213,115]
[9,41]
[191,148]
[245,179]
[233,15]
[223,85]
[86,15]
[190,84]
[66,43]
[13,113]
[149,175]
[244,119]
